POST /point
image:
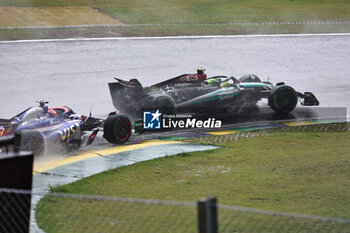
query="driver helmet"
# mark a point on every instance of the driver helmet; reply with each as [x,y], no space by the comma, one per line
[211,81]
[51,113]
[227,83]
[200,71]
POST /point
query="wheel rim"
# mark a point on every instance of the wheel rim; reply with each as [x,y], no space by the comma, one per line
[285,100]
[123,129]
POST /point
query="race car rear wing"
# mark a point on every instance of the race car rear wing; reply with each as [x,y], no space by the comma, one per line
[124,95]
[133,83]
[4,121]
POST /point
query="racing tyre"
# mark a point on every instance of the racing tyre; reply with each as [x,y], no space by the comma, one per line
[283,99]
[250,78]
[164,103]
[34,142]
[117,129]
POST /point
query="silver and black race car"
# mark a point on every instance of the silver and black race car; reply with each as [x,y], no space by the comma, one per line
[197,93]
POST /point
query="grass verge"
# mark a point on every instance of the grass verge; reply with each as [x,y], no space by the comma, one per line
[297,172]
[190,30]
[184,12]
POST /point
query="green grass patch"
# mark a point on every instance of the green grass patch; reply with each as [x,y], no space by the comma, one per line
[297,172]
[170,11]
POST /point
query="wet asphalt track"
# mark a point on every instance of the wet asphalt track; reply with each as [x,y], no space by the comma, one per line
[76,73]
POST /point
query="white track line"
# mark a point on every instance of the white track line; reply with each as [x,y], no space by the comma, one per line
[175,37]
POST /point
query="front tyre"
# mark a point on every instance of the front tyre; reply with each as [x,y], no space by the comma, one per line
[117,129]
[283,99]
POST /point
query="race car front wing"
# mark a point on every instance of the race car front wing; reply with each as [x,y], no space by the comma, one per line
[308,99]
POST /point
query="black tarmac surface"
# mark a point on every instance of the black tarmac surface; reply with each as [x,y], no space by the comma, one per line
[76,73]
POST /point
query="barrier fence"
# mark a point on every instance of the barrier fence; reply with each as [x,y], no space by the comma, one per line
[86,31]
[62,212]
[184,24]
[234,136]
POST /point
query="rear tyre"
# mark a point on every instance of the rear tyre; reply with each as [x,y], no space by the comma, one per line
[283,99]
[164,103]
[117,129]
[33,141]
